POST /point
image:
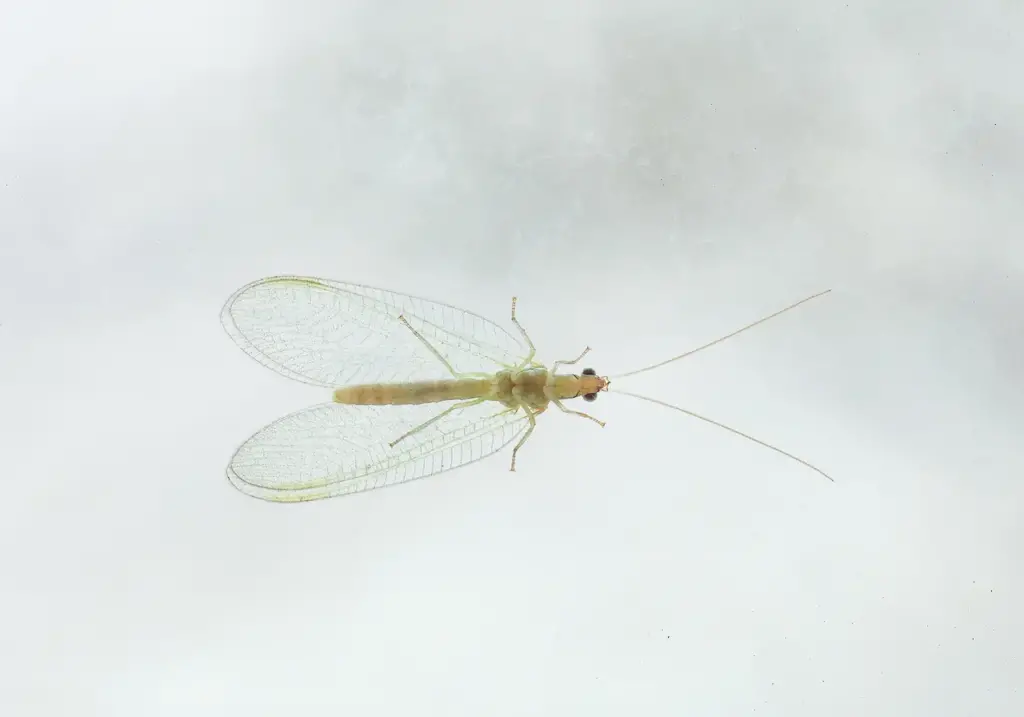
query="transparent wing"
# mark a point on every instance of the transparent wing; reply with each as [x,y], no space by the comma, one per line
[334,449]
[331,333]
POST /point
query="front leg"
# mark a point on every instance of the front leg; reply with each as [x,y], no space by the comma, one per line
[550,383]
[563,409]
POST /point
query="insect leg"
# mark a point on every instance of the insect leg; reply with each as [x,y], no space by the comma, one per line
[438,417]
[579,358]
[533,349]
[532,416]
[437,353]
[549,384]
[562,407]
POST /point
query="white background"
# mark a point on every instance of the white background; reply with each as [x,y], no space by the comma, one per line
[646,176]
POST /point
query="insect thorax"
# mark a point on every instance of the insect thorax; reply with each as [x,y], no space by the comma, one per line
[521,388]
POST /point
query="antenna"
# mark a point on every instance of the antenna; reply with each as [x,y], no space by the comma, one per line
[713,422]
[720,340]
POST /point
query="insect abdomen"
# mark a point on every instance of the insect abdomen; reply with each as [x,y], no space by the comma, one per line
[415,392]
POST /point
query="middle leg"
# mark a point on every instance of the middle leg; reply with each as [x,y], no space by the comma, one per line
[528,359]
[532,416]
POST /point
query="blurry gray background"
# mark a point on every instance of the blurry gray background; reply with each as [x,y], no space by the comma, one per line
[646,176]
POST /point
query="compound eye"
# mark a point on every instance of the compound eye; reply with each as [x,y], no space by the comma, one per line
[590,397]
[589,372]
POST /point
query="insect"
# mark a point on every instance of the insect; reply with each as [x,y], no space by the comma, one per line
[390,359]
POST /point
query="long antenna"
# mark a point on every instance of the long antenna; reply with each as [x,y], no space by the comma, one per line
[718,341]
[728,428]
